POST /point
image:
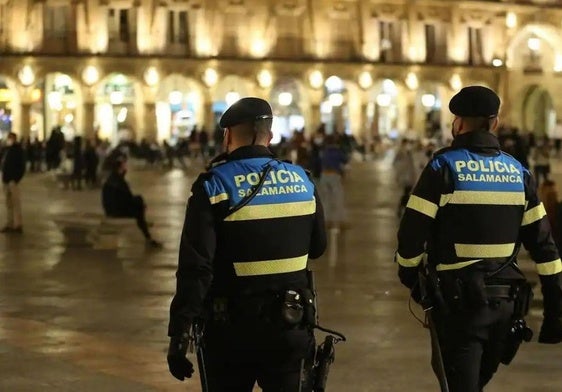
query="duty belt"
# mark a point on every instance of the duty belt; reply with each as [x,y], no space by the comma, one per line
[499,291]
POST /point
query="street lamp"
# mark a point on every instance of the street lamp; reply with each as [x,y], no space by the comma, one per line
[90,75]
[428,101]
[285,98]
[231,97]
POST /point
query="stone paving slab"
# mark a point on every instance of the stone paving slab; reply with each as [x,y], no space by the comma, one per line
[79,319]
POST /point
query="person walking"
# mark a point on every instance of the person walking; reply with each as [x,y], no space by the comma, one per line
[334,160]
[13,169]
[469,212]
[252,223]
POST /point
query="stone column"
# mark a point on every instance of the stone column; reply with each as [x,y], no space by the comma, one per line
[25,116]
[150,129]
[209,117]
[88,120]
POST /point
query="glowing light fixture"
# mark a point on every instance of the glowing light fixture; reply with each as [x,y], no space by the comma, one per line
[510,20]
[316,79]
[285,98]
[68,118]
[388,86]
[231,97]
[335,99]
[384,100]
[497,62]
[365,80]
[122,115]
[90,75]
[455,82]
[412,81]
[116,97]
[334,84]
[265,79]
[175,98]
[428,100]
[151,76]
[26,75]
[258,48]
[534,44]
[36,95]
[210,77]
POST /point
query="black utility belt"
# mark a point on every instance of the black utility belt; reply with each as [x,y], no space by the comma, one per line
[291,307]
[500,291]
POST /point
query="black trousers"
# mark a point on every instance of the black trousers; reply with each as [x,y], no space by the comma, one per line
[237,355]
[472,344]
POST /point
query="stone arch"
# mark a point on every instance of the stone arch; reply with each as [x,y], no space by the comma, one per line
[288,117]
[233,85]
[536,107]
[546,32]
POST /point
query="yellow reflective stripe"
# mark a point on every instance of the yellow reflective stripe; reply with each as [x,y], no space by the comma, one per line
[484,250]
[412,262]
[455,266]
[445,199]
[483,197]
[533,215]
[549,268]
[421,205]
[218,198]
[269,211]
[268,267]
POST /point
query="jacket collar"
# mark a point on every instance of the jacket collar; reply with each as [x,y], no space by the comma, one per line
[244,152]
[477,140]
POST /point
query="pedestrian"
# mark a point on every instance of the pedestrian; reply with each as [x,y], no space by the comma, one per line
[542,161]
[469,211]
[243,259]
[91,163]
[77,164]
[406,173]
[333,164]
[119,201]
[13,169]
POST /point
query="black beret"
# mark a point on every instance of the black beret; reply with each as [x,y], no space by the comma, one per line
[475,101]
[245,110]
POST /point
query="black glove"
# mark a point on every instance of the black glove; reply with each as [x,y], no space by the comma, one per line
[180,367]
[551,331]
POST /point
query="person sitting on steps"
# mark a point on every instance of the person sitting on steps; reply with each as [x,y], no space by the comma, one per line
[119,202]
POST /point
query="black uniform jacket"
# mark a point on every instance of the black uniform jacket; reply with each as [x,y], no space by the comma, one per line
[472,207]
[13,165]
[261,248]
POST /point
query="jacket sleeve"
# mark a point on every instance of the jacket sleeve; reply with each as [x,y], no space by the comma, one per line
[537,239]
[318,239]
[416,223]
[195,264]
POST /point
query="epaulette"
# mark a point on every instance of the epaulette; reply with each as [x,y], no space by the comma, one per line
[217,161]
[443,151]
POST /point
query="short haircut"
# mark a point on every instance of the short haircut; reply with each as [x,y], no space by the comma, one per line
[257,131]
[476,123]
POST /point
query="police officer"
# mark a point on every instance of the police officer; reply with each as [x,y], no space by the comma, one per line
[471,207]
[252,223]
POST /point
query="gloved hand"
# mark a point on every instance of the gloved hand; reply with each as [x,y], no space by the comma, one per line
[180,367]
[551,331]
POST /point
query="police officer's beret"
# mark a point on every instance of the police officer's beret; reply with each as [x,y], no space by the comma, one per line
[245,110]
[475,101]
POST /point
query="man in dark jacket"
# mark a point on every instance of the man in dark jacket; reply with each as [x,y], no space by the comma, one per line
[119,202]
[13,168]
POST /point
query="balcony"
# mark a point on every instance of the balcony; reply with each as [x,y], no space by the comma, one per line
[118,46]
[59,42]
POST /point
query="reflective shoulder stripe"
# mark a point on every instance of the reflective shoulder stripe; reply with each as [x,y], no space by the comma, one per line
[218,198]
[444,200]
[533,215]
[269,267]
[421,205]
[484,250]
[270,211]
[412,262]
[549,268]
[456,266]
[487,197]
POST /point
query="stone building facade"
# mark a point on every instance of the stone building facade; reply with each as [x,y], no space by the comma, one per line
[156,68]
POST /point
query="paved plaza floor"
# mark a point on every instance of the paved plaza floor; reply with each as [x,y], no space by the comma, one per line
[73,318]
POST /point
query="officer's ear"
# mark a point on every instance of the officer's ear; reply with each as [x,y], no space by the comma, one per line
[494,124]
